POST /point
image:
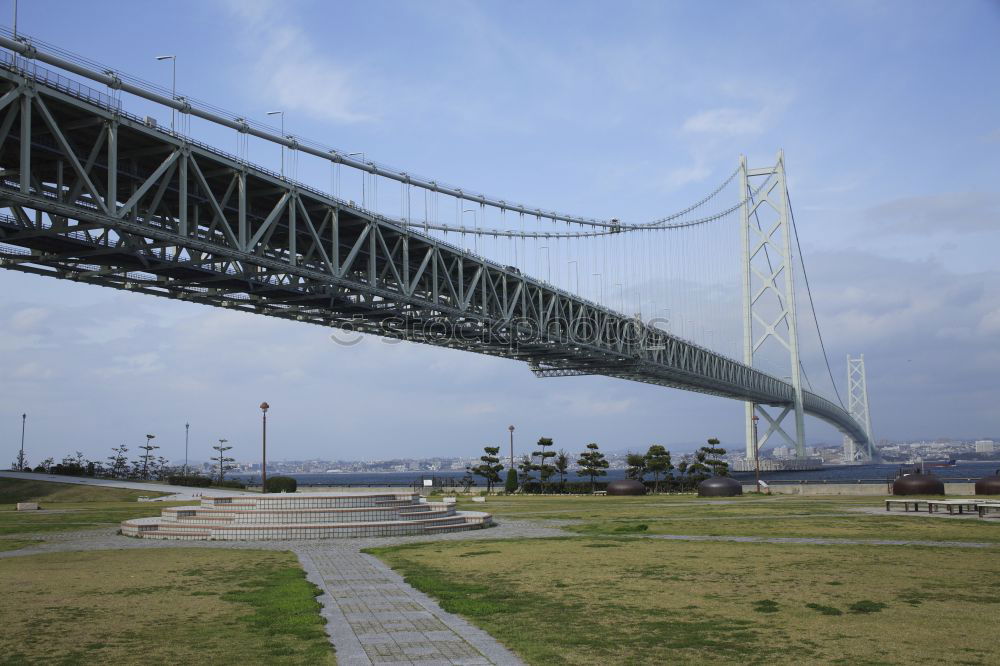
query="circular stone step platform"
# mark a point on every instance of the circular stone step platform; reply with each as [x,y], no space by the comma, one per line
[305,516]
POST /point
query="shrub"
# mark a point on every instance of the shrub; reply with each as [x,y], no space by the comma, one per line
[281,484]
[195,480]
[511,485]
[229,483]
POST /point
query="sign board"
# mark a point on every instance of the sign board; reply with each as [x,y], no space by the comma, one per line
[428,482]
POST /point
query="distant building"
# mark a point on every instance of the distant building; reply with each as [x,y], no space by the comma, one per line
[985,446]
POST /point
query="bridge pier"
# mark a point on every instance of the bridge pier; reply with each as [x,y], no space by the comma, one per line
[769,315]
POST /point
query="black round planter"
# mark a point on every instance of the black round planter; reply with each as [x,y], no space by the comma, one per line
[918,484]
[989,485]
[626,487]
[720,486]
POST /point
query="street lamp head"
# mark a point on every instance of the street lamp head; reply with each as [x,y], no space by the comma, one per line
[511,428]
[264,406]
[274,113]
[167,57]
[150,436]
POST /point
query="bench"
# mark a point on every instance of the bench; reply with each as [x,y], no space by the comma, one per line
[951,505]
[906,503]
[987,507]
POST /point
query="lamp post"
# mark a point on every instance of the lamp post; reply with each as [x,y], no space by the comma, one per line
[510,428]
[20,460]
[756,448]
[263,466]
[282,114]
[187,430]
[364,178]
[475,221]
[173,86]
[548,263]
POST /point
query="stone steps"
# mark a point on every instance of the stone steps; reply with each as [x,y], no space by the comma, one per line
[219,516]
[307,516]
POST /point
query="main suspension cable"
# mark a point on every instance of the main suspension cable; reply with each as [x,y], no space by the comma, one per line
[812,304]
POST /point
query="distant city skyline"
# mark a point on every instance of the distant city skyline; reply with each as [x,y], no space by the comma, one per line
[890,134]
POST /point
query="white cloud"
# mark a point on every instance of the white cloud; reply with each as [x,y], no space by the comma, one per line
[967,212]
[690,174]
[295,74]
[730,122]
[28,319]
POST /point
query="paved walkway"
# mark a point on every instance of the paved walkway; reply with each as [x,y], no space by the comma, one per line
[819,541]
[179,493]
[374,617]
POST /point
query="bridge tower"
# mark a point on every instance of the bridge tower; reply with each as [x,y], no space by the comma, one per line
[769,316]
[857,405]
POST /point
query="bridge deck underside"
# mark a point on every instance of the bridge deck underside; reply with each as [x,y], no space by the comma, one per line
[94,195]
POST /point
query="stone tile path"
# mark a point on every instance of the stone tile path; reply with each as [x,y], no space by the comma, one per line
[374,617]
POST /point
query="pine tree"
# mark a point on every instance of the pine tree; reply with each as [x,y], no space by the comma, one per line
[697,470]
[222,459]
[636,466]
[467,481]
[592,463]
[562,465]
[658,462]
[490,468]
[713,458]
[526,467]
[119,462]
[149,447]
[545,470]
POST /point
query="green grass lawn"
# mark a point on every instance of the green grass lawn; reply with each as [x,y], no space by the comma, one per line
[169,605]
[608,595]
[67,506]
[777,515]
[646,601]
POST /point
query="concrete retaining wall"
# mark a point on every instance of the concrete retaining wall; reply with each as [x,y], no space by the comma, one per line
[859,489]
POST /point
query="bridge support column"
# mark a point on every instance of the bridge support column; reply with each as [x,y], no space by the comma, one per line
[769,316]
[857,406]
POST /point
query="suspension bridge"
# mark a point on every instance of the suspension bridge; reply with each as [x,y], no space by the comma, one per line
[703,299]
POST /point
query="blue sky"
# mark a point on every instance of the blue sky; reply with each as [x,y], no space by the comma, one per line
[889,115]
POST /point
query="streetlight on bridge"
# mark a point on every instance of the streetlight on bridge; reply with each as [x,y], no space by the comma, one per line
[364,178]
[173,86]
[282,114]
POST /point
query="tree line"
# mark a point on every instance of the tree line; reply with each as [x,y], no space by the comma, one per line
[546,470]
[145,467]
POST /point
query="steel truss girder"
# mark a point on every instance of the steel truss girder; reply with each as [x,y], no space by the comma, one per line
[143,212]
